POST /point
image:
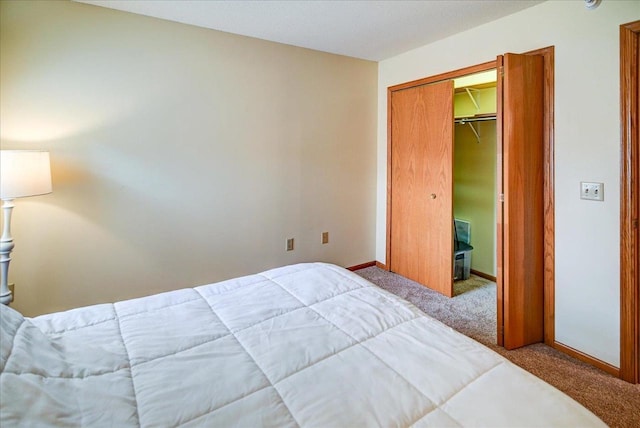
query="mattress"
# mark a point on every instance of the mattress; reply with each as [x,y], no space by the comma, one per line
[303,345]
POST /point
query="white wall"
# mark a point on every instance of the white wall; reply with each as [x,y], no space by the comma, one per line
[587,148]
[180,156]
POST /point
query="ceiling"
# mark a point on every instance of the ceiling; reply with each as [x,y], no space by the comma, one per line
[371,30]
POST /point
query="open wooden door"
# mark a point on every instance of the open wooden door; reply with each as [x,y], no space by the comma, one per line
[520,273]
[422,185]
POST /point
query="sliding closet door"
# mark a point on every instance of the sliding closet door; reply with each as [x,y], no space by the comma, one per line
[422,185]
[521,220]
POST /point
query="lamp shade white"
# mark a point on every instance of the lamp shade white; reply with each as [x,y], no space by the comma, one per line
[24,173]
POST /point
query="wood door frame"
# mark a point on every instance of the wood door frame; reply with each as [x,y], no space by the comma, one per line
[629,202]
[549,162]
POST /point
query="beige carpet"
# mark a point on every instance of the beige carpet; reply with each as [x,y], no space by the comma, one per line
[473,312]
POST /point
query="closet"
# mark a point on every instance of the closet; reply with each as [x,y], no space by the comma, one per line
[474,175]
[421,181]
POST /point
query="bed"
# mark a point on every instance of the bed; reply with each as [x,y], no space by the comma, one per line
[304,345]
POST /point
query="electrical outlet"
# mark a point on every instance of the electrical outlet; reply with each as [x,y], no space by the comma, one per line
[325,237]
[591,191]
[290,244]
[12,288]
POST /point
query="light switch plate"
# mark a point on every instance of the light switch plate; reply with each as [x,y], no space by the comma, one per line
[591,191]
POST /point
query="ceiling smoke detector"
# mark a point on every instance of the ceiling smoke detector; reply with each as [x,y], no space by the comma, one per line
[592,4]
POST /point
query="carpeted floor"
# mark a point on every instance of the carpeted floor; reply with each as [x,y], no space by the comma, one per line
[473,312]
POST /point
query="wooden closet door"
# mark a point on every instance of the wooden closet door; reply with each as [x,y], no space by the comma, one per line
[422,185]
[520,276]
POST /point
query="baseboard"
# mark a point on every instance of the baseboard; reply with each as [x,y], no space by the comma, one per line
[612,370]
[382,266]
[483,275]
[361,266]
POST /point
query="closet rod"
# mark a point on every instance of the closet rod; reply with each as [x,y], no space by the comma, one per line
[464,120]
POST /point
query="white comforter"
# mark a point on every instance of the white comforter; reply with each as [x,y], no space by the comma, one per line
[303,345]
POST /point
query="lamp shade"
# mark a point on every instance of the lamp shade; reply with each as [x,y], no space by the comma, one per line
[24,173]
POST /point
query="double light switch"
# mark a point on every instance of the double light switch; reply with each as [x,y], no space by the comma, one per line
[591,191]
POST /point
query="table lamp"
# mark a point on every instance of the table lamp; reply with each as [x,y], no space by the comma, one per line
[22,173]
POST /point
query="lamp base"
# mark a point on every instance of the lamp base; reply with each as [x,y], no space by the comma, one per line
[8,297]
[6,245]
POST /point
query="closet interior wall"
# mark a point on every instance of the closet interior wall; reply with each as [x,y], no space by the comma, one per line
[475,163]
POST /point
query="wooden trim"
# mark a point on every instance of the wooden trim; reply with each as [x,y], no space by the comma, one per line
[483,275]
[361,266]
[445,76]
[389,187]
[382,266]
[604,366]
[629,203]
[500,204]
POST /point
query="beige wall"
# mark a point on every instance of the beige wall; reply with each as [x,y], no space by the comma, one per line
[587,148]
[180,155]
